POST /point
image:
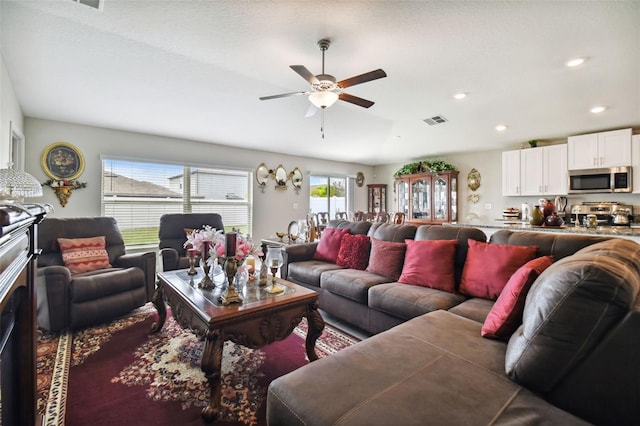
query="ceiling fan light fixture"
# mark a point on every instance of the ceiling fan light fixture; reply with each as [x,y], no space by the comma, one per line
[323,99]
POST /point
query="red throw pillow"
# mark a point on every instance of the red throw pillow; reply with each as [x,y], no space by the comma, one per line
[84,254]
[506,314]
[329,245]
[386,258]
[354,251]
[430,263]
[488,267]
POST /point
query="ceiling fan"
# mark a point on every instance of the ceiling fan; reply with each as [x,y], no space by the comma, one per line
[325,90]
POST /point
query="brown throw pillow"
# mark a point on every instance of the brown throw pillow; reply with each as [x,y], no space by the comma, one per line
[386,258]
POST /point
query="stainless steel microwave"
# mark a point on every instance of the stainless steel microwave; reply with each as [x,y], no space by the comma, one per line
[614,179]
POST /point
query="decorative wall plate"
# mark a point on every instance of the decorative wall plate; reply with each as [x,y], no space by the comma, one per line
[61,160]
[360,179]
[473,179]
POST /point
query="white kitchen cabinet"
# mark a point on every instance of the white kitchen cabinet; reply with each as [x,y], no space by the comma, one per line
[511,173]
[543,170]
[597,150]
[635,163]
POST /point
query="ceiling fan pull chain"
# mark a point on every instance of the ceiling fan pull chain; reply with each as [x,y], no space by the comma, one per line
[322,123]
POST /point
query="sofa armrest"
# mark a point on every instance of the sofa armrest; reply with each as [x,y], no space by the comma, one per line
[296,253]
[146,262]
[300,252]
[170,259]
[52,296]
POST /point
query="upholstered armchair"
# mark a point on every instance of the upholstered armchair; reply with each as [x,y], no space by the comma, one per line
[172,234]
[83,275]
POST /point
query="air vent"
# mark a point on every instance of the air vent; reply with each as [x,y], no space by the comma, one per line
[438,119]
[96,4]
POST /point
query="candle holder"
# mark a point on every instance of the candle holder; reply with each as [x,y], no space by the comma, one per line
[192,266]
[206,283]
[230,295]
[274,261]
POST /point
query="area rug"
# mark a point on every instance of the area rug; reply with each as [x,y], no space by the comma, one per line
[119,373]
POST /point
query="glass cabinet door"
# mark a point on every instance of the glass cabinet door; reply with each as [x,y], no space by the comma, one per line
[402,189]
[454,199]
[421,203]
[440,207]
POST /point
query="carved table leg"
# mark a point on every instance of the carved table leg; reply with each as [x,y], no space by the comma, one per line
[212,368]
[158,302]
[316,325]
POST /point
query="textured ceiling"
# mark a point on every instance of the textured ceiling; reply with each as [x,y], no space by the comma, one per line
[195,70]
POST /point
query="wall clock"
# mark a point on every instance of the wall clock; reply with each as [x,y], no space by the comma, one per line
[360,179]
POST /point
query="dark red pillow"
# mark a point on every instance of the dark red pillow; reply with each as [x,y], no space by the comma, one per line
[386,258]
[329,245]
[430,263]
[506,314]
[354,251]
[488,267]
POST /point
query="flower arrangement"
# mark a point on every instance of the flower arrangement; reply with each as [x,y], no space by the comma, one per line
[57,183]
[424,166]
[244,246]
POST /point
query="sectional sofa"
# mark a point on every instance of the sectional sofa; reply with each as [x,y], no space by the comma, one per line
[573,360]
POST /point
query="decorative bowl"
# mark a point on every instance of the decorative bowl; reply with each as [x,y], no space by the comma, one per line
[281,235]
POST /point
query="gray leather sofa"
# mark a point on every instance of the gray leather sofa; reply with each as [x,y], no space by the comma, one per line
[572,361]
[76,301]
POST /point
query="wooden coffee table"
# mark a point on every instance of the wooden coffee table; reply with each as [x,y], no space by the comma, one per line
[261,319]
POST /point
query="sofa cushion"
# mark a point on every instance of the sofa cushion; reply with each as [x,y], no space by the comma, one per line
[476,309]
[329,244]
[84,254]
[408,301]
[430,263]
[386,258]
[309,271]
[506,314]
[351,283]
[354,251]
[434,369]
[570,309]
[104,283]
[489,266]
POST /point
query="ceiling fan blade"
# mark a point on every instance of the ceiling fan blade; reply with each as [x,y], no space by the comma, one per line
[305,73]
[362,78]
[355,100]
[311,111]
[284,95]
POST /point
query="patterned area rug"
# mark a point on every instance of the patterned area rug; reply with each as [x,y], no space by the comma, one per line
[119,373]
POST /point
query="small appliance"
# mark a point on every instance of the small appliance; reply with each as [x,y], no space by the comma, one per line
[613,179]
[607,213]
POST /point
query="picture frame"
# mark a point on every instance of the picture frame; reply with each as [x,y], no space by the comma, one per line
[61,160]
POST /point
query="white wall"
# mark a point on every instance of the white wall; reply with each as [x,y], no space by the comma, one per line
[273,209]
[10,112]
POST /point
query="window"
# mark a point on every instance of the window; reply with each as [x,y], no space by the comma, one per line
[331,194]
[138,193]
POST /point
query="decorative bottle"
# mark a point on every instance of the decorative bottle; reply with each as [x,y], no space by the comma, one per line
[537,217]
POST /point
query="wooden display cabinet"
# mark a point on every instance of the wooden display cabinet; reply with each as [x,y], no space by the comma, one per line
[428,198]
[377,199]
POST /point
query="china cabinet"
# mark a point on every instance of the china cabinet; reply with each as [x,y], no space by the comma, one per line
[597,150]
[426,198]
[377,199]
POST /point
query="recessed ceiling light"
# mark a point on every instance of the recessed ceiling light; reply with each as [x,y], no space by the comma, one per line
[501,127]
[597,109]
[460,95]
[575,62]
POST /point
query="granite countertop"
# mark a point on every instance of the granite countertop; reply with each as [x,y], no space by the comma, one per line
[570,229]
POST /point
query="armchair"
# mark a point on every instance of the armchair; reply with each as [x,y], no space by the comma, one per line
[68,300]
[172,236]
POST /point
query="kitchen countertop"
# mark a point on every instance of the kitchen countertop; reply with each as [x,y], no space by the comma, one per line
[622,231]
